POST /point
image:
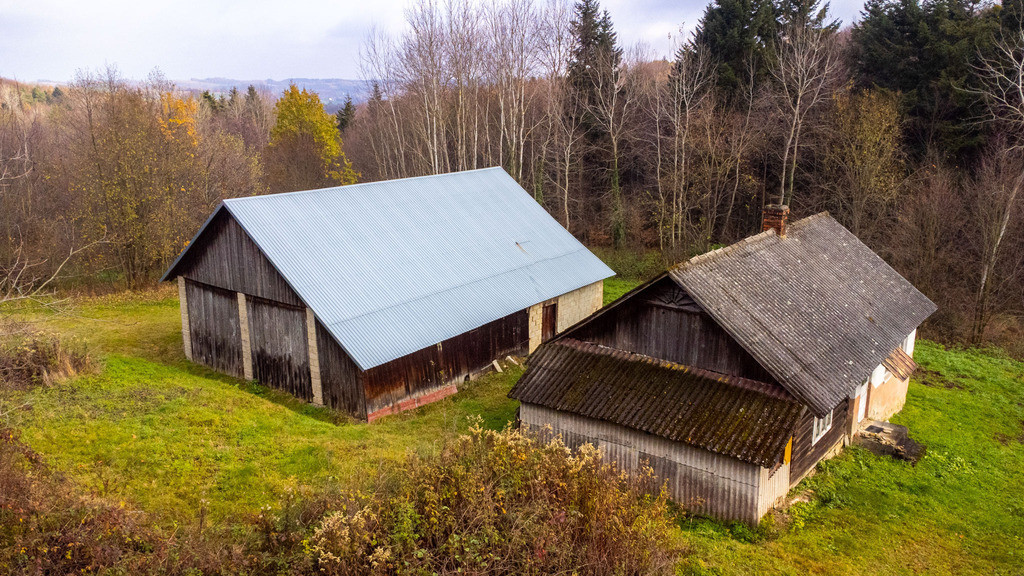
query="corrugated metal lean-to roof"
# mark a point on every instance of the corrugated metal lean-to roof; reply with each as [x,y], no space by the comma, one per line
[749,420]
[392,267]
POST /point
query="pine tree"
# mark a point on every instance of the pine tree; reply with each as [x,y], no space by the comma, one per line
[345,116]
[738,34]
[928,52]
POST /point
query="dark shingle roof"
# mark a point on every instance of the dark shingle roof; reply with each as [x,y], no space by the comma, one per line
[817,309]
[749,420]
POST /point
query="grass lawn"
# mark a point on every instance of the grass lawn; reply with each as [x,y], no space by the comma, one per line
[170,438]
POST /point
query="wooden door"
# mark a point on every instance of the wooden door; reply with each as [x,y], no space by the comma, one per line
[548,320]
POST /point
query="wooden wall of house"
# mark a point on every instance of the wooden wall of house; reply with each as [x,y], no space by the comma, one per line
[452,360]
[214,327]
[227,258]
[807,454]
[339,376]
[664,322]
[280,350]
[703,482]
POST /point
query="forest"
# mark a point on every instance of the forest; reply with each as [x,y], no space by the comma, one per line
[907,126]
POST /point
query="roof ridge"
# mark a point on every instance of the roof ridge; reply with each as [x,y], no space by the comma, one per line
[756,386]
[724,250]
[358,184]
[754,238]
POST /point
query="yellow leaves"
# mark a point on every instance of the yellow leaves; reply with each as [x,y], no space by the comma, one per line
[178,118]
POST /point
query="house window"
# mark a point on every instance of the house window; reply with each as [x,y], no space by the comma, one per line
[821,425]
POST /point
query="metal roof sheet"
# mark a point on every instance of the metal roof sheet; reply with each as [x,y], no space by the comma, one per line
[737,417]
[817,308]
[395,266]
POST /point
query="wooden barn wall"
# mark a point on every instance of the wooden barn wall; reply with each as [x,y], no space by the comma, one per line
[701,481]
[664,322]
[339,376]
[214,328]
[805,454]
[226,257]
[280,350]
[452,360]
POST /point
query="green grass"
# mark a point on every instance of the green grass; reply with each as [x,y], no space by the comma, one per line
[163,435]
[615,287]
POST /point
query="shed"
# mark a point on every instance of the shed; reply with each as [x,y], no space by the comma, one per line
[770,355]
[373,298]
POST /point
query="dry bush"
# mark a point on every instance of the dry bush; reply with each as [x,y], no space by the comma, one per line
[32,359]
[499,503]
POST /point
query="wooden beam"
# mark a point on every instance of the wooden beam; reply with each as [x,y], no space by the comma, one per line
[243,322]
[186,333]
[314,358]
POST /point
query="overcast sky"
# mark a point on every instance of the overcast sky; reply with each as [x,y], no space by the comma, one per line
[249,39]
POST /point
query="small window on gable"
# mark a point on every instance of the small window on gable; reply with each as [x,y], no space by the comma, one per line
[821,425]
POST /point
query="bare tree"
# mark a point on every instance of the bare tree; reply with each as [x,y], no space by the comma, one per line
[805,63]
[1002,80]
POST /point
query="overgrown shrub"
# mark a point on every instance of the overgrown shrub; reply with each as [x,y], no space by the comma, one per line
[499,503]
[489,503]
[31,359]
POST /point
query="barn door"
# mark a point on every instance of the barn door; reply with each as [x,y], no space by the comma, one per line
[548,320]
[280,350]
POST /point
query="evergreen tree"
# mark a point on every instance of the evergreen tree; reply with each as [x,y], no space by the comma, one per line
[736,34]
[211,101]
[344,117]
[927,52]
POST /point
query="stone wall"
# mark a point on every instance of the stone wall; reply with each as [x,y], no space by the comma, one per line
[572,307]
[578,304]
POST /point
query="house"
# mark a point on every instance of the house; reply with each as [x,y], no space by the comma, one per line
[734,373]
[378,297]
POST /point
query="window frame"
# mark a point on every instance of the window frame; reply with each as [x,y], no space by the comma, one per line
[821,426]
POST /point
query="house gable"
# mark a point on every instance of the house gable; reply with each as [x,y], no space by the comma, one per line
[661,320]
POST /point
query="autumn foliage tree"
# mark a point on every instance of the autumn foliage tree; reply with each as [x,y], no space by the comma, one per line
[305,147]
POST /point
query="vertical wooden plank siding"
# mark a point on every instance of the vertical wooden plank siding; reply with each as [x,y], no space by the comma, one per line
[340,379]
[280,350]
[229,259]
[314,358]
[186,336]
[243,316]
[701,481]
[665,323]
[448,362]
[807,454]
[772,488]
[214,327]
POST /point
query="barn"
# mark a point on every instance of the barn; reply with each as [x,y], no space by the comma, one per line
[734,373]
[378,297]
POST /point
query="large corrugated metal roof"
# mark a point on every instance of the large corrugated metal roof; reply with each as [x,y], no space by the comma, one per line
[749,420]
[817,308]
[392,267]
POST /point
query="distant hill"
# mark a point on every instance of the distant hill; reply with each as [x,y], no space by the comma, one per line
[332,91]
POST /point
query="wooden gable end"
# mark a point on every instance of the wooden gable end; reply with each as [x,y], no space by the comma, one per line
[661,320]
[224,256]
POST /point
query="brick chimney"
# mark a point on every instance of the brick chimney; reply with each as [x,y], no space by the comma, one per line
[774,217]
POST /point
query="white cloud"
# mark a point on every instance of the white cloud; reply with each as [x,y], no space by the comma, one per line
[251,39]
